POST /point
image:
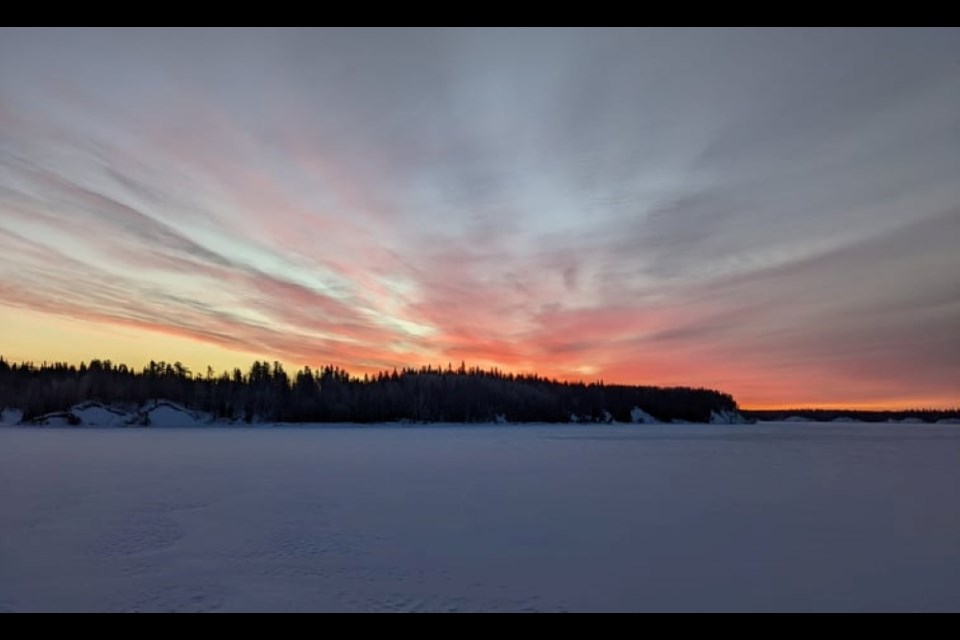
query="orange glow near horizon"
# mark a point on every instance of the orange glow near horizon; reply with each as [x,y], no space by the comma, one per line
[35,337]
[935,404]
[31,336]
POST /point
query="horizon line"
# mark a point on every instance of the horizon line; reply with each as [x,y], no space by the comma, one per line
[785,407]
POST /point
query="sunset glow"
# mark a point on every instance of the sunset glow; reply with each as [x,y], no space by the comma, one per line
[642,207]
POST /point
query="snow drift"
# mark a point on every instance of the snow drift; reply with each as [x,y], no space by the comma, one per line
[727,417]
[639,416]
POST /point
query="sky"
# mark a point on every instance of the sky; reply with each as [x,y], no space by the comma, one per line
[771,212]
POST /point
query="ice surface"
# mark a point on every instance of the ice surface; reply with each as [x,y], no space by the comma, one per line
[775,516]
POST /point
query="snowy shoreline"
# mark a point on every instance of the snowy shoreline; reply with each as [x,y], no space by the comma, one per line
[167,414]
[164,413]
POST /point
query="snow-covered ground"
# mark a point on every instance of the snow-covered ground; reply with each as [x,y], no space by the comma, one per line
[156,413]
[775,516]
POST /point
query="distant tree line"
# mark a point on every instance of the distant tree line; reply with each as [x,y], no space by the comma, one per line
[267,392]
[829,415]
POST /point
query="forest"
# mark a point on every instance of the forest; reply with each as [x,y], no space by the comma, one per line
[266,392]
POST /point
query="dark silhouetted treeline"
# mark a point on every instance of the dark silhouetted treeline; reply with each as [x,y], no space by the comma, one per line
[829,415]
[266,392]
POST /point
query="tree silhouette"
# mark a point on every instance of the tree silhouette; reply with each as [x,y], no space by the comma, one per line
[330,394]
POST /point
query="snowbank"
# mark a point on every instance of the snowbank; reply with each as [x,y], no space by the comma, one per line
[169,414]
[157,413]
[639,416]
[94,414]
[727,417]
[10,416]
[57,419]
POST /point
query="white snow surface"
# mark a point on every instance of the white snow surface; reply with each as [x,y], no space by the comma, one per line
[767,517]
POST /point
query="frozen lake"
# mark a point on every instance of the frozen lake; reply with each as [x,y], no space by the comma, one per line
[785,517]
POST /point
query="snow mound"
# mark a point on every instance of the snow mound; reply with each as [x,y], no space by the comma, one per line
[169,414]
[912,421]
[639,416]
[96,414]
[796,419]
[727,417]
[10,416]
[56,419]
[948,421]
